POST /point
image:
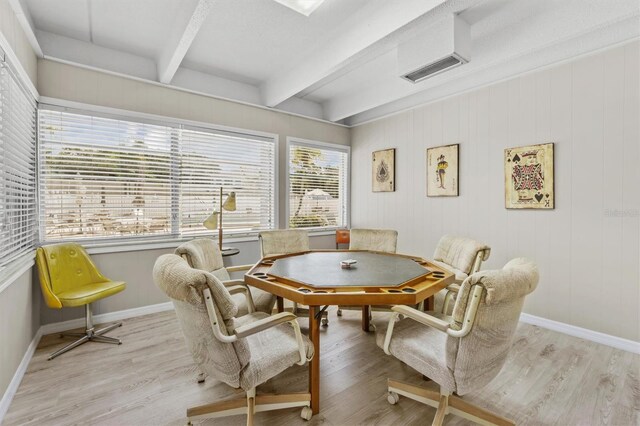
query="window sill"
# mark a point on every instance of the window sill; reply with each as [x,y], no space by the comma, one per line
[95,247]
[17,268]
[119,247]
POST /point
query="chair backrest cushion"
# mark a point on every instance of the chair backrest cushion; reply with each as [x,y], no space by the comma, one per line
[385,240]
[460,252]
[479,356]
[184,286]
[204,254]
[65,267]
[283,241]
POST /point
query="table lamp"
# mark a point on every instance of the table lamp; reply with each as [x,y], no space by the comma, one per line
[215,219]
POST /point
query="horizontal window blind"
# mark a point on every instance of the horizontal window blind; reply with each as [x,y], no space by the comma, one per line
[317,185]
[103,178]
[242,163]
[17,166]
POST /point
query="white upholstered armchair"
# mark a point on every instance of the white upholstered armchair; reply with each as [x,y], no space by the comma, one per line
[242,352]
[464,353]
[285,241]
[383,240]
[204,254]
[462,256]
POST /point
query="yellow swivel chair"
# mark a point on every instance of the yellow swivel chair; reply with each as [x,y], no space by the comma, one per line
[69,278]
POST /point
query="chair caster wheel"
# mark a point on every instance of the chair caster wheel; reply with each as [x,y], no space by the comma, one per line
[325,322]
[393,398]
[372,327]
[201,378]
[339,313]
[306,413]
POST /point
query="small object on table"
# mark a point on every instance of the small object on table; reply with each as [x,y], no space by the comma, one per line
[348,263]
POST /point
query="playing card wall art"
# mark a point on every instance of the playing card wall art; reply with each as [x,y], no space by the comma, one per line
[384,170]
[528,177]
[442,171]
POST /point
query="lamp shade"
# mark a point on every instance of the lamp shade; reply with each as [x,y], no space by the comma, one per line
[230,203]
[212,221]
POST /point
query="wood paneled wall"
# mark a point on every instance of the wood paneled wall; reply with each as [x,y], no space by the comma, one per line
[588,247]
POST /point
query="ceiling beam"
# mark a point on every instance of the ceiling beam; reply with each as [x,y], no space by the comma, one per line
[172,56]
[368,26]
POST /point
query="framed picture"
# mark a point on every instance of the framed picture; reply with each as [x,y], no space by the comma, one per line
[442,171]
[528,177]
[384,170]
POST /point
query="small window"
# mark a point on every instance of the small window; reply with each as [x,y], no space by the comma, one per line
[317,185]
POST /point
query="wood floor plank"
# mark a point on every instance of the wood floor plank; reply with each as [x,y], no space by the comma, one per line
[150,379]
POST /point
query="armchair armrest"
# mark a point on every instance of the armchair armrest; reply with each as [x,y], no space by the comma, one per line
[239,268]
[263,324]
[238,286]
[421,317]
[220,332]
[450,293]
[437,323]
[273,320]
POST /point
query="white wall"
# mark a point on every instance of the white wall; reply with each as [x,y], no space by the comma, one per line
[589,260]
[12,32]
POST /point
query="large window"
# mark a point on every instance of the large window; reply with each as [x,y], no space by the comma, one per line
[107,177]
[17,166]
[317,184]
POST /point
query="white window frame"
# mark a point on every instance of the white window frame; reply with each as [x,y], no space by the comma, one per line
[96,246]
[329,230]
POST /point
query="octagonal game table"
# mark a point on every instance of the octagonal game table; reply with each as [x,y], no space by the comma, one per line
[316,278]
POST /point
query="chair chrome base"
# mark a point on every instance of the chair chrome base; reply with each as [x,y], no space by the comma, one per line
[444,403]
[90,335]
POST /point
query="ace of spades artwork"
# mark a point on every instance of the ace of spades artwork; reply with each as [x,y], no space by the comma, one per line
[529,177]
[383,171]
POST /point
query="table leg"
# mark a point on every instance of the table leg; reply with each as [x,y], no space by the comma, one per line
[314,364]
[280,304]
[429,304]
[366,314]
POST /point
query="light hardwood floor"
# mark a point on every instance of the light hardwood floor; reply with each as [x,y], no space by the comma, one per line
[549,378]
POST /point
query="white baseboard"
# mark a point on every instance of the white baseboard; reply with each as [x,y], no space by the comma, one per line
[583,333]
[57,327]
[19,374]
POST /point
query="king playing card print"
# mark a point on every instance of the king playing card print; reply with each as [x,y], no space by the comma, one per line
[528,177]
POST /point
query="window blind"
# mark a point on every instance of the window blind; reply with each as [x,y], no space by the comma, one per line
[318,193]
[235,162]
[17,166]
[106,177]
[103,178]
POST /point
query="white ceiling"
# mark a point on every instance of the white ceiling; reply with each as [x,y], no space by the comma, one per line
[338,64]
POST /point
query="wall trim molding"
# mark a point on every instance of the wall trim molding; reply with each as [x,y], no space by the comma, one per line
[5,402]
[583,333]
[57,327]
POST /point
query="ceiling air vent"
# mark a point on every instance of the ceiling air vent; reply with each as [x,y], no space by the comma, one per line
[441,47]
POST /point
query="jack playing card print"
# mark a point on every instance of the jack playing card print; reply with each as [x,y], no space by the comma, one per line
[528,177]
[442,171]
